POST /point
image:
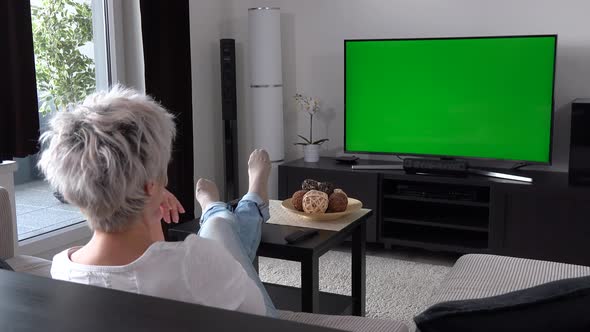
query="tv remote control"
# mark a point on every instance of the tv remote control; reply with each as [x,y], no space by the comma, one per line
[300,235]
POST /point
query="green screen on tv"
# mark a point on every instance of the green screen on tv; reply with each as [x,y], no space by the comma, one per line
[489,97]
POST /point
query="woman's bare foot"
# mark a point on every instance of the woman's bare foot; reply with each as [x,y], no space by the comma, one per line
[258,173]
[206,193]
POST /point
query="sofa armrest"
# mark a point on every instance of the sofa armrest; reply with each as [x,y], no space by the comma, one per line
[477,276]
[345,323]
[31,265]
[6,222]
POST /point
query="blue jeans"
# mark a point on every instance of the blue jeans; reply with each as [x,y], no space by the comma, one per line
[239,231]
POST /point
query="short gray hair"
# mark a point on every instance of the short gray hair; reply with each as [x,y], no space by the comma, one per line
[101,155]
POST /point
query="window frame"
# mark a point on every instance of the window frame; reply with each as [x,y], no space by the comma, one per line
[109,26]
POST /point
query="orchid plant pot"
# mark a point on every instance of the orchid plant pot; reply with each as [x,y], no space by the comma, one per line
[311,147]
[311,153]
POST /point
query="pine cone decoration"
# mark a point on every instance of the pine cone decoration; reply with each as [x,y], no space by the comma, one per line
[310,184]
[326,187]
[315,201]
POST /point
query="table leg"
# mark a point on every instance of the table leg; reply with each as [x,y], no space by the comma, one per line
[359,270]
[255,263]
[310,285]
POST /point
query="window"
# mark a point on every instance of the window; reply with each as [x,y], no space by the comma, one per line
[71,61]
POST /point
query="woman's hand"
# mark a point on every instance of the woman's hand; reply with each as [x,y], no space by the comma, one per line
[170,207]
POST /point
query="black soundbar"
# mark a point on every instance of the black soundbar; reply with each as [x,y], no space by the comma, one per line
[435,166]
[443,167]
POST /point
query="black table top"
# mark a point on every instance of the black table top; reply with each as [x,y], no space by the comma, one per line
[30,303]
[271,234]
[273,242]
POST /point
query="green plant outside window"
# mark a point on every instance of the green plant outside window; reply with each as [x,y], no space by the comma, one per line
[64,74]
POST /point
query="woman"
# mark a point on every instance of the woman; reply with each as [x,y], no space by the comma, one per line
[109,157]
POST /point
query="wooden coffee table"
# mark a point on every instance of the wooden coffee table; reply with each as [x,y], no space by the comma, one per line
[308,298]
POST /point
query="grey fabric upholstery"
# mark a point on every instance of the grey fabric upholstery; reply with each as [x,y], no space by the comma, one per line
[19,263]
[6,236]
[5,266]
[345,323]
[31,265]
[477,276]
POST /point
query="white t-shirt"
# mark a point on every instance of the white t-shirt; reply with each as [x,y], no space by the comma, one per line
[196,270]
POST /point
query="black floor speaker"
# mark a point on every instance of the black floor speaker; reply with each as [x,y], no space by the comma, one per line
[579,165]
[229,110]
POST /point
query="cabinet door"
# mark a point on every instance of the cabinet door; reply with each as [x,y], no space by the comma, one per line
[362,186]
[553,227]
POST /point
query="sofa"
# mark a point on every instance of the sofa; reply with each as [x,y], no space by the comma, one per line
[20,263]
[474,276]
[42,267]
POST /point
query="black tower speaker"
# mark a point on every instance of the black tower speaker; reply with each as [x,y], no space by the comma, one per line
[579,168]
[229,106]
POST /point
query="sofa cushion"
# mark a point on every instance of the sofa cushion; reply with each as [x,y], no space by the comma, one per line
[476,276]
[556,306]
[345,323]
[5,266]
[31,265]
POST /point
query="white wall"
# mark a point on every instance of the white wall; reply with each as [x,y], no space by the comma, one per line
[313,33]
[206,19]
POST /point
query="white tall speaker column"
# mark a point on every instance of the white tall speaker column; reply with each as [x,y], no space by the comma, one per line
[266,86]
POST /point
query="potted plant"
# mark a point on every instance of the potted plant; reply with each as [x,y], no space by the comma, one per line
[65,75]
[311,148]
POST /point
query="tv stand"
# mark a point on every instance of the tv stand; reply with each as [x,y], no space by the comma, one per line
[544,220]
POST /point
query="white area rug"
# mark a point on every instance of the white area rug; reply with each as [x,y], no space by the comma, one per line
[398,285]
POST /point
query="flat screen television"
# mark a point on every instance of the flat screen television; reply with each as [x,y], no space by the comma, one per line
[476,97]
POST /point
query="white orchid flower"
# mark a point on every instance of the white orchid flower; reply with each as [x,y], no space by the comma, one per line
[308,105]
[311,106]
